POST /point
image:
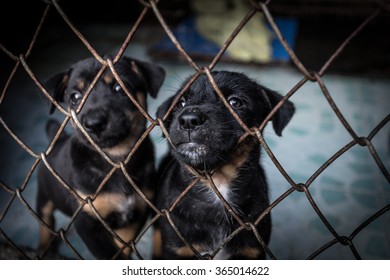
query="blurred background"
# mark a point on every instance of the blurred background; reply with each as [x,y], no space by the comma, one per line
[348,192]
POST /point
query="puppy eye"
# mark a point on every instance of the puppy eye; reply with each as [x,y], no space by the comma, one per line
[235,102]
[182,102]
[76,96]
[117,87]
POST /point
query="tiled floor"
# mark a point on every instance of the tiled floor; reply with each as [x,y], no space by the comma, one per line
[348,192]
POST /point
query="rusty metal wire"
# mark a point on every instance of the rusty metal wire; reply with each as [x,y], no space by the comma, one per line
[151,6]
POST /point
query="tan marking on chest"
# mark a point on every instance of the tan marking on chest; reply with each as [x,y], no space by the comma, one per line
[106,203]
[122,149]
[224,176]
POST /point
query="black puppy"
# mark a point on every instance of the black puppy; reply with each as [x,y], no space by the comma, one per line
[115,124]
[206,137]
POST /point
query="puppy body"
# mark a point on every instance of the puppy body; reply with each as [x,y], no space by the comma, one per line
[114,124]
[206,137]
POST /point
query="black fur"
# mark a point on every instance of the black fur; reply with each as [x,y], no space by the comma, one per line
[114,124]
[205,136]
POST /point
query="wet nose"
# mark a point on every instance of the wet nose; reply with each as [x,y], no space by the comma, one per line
[94,122]
[191,119]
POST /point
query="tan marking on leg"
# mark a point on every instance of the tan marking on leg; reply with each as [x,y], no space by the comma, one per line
[187,252]
[157,244]
[250,252]
[47,217]
[127,234]
[184,252]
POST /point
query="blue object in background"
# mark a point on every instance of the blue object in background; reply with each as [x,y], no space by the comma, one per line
[190,40]
[289,29]
[195,44]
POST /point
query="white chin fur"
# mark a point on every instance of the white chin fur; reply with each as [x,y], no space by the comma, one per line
[193,152]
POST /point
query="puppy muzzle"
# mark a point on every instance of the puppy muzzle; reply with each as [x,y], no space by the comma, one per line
[191,148]
[106,130]
[94,122]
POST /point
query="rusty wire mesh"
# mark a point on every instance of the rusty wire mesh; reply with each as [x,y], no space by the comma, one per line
[151,7]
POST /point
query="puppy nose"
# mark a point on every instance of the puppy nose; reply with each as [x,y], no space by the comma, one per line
[94,123]
[191,119]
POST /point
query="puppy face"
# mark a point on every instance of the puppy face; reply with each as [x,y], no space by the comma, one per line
[108,115]
[203,130]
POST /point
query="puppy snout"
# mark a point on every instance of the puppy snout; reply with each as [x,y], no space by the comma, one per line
[94,122]
[191,119]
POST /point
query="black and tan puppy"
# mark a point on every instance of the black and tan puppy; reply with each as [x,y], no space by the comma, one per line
[115,124]
[206,137]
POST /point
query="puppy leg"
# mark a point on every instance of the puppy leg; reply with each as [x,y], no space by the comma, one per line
[127,234]
[173,248]
[45,210]
[98,240]
[157,245]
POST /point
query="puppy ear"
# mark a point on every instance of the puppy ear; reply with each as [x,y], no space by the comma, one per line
[154,76]
[283,116]
[56,86]
[162,110]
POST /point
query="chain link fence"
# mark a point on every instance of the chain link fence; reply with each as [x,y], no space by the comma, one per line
[151,8]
